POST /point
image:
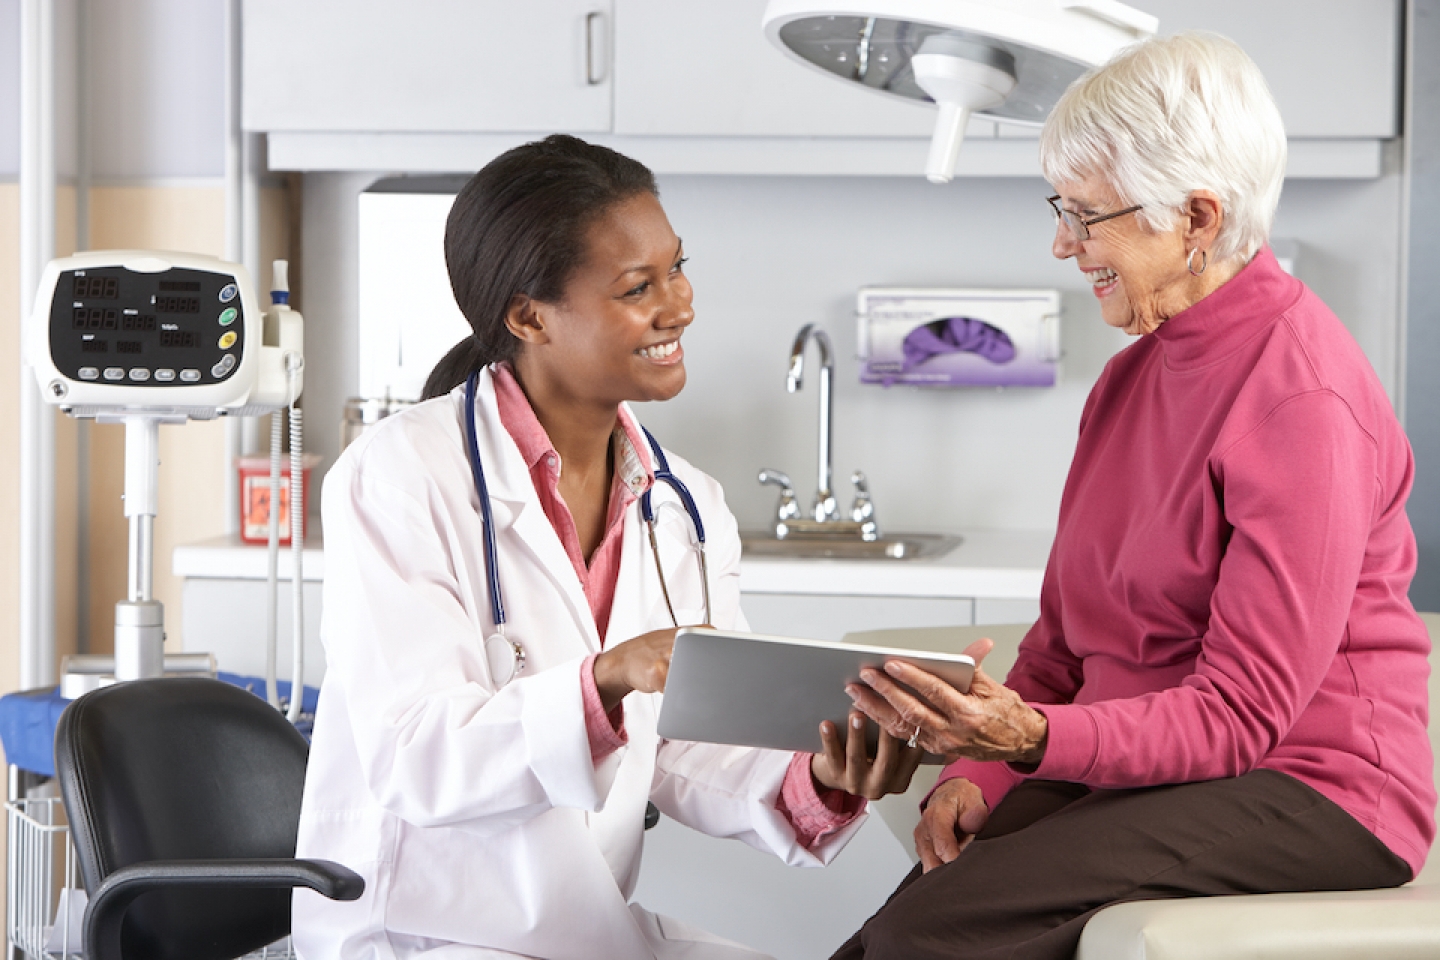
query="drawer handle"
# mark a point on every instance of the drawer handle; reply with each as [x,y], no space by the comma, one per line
[594,23]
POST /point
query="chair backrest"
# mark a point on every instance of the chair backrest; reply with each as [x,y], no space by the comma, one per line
[183,769]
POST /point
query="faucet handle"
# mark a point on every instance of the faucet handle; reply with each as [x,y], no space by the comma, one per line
[788,508]
[863,509]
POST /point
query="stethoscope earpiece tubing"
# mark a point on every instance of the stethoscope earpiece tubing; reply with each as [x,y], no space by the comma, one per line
[647,512]
[492,571]
[663,475]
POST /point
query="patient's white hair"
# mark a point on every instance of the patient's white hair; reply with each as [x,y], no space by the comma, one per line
[1169,116]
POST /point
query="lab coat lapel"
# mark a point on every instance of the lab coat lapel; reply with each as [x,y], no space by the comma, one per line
[517,510]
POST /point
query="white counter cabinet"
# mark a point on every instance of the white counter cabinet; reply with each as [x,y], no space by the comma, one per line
[992,577]
[223,604]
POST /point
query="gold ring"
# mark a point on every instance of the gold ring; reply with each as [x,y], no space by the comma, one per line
[913,737]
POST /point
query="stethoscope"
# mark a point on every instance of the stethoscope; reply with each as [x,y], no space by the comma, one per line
[505,656]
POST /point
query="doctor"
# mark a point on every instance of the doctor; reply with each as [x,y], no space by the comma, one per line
[488,772]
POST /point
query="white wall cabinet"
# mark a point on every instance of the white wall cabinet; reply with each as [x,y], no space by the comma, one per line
[436,66]
[445,85]
[707,69]
[1332,65]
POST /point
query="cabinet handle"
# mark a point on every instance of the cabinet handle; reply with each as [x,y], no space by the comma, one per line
[594,20]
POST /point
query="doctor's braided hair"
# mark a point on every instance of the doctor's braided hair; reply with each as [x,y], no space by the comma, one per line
[519,227]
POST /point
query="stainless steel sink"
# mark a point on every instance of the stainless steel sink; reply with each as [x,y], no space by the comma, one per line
[895,546]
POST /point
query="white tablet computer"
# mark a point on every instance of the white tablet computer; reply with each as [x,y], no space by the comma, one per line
[759,691]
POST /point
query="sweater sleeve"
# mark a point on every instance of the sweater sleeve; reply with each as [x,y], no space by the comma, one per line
[1045,671]
[1300,493]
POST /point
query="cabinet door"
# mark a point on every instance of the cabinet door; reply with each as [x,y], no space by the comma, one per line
[707,69]
[1332,65]
[427,65]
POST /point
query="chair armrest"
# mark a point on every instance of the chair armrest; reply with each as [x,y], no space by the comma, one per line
[106,909]
[1401,922]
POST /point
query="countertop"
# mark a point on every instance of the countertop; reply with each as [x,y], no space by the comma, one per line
[1002,564]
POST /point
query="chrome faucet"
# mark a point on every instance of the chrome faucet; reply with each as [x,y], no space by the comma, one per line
[824,520]
[825,509]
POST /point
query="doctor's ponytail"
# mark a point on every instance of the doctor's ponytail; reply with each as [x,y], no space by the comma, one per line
[518,228]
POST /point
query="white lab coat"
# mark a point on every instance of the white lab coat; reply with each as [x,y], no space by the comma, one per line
[476,816]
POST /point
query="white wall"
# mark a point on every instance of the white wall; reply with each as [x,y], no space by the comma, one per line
[769,254]
[157,88]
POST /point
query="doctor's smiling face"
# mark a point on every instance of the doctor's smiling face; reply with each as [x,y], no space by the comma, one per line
[615,333]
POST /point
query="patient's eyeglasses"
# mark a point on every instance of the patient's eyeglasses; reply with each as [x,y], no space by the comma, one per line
[1078,225]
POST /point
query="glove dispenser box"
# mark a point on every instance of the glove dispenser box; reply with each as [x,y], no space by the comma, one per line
[959,338]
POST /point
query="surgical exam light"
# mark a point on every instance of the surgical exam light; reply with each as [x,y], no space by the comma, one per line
[1008,60]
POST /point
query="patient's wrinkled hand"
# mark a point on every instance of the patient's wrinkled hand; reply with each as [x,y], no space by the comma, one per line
[847,765]
[953,815]
[989,722]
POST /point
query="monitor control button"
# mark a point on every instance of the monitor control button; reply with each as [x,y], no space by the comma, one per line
[139,374]
[228,316]
[89,373]
[114,373]
[226,364]
[227,340]
[190,376]
[164,374]
[228,292]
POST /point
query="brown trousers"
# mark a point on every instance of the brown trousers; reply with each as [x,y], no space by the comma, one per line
[1053,854]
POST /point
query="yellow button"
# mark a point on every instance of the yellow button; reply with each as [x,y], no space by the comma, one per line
[227,339]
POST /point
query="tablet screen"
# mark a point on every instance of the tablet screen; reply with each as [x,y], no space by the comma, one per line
[761,691]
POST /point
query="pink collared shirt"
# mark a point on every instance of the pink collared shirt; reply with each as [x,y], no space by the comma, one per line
[814,815]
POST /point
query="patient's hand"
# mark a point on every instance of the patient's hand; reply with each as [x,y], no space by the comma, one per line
[847,766]
[953,815]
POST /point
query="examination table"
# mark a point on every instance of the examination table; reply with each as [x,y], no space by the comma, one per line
[1397,924]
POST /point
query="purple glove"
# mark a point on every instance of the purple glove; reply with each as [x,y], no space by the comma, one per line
[957,335]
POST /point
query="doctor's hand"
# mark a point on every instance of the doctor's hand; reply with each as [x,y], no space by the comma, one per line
[990,722]
[641,663]
[953,815]
[847,766]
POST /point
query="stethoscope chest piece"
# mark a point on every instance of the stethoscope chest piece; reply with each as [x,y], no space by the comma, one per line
[504,657]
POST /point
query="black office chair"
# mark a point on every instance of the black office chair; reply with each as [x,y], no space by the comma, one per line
[183,797]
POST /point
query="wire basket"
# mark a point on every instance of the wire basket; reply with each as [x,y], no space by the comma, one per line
[45,901]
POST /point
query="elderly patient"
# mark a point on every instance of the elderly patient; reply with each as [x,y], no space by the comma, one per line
[1226,689]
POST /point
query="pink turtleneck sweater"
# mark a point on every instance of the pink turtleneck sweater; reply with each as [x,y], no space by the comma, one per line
[1228,586]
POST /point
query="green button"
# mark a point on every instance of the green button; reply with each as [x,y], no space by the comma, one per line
[227,340]
[228,316]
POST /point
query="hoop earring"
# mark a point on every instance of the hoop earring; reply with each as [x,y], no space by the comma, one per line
[1190,262]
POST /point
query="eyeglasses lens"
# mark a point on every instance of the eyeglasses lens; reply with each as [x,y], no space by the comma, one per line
[1073,223]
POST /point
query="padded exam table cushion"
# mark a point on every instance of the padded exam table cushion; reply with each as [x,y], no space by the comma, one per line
[1402,923]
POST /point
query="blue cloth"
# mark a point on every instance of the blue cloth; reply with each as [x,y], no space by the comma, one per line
[28,720]
[27,728]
